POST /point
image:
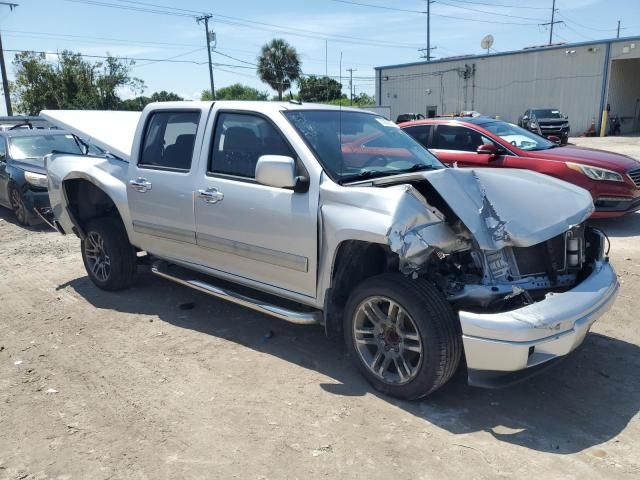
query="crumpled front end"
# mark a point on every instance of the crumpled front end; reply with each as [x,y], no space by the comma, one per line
[511,252]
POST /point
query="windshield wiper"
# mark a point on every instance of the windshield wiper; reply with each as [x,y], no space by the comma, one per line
[365,174]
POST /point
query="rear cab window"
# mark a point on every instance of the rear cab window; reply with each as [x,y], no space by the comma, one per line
[420,133]
[169,140]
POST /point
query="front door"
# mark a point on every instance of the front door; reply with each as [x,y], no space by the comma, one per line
[259,234]
[160,187]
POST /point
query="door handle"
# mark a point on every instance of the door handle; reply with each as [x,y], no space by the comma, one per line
[210,195]
[140,184]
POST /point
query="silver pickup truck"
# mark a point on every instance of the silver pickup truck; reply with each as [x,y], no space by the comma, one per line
[322,215]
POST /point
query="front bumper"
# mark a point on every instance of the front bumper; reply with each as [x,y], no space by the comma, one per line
[528,337]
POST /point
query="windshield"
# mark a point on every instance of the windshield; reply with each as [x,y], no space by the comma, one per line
[547,113]
[519,137]
[37,146]
[353,145]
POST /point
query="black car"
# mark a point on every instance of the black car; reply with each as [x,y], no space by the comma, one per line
[408,117]
[23,177]
[547,122]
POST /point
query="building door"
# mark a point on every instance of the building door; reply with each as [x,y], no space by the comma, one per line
[432,111]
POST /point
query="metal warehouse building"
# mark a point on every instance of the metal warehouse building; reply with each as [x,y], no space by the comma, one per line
[580,79]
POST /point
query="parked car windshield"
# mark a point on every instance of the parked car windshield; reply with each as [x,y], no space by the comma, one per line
[547,113]
[519,137]
[37,146]
[354,145]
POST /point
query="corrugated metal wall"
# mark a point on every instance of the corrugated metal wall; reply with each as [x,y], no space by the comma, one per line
[505,85]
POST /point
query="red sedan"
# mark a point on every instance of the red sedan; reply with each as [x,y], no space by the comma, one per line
[612,179]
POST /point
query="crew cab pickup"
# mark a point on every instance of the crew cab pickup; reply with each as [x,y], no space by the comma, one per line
[282,208]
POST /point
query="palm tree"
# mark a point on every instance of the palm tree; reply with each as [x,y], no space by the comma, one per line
[279,65]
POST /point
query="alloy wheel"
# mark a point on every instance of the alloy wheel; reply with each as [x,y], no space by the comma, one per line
[97,259]
[18,207]
[387,340]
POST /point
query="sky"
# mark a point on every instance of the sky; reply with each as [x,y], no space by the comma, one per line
[374,33]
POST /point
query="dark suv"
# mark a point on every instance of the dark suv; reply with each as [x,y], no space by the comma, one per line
[546,122]
[409,117]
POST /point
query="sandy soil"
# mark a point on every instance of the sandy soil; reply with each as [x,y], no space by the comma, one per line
[161,382]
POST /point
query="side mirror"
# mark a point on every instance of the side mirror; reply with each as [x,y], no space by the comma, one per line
[276,171]
[488,149]
[525,118]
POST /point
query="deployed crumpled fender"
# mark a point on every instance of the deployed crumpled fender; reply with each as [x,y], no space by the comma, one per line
[510,207]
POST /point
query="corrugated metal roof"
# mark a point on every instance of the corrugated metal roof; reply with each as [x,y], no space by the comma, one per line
[512,52]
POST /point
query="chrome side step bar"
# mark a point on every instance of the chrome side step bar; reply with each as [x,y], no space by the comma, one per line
[293,316]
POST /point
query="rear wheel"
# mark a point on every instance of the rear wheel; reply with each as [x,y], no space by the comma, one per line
[109,258]
[20,210]
[402,335]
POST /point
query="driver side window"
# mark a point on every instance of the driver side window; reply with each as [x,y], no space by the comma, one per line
[453,137]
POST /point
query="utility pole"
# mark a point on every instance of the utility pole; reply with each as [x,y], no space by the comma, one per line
[210,36]
[552,22]
[618,34]
[427,51]
[5,80]
[351,70]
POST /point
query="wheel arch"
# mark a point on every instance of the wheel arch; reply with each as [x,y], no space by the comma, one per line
[85,201]
[354,261]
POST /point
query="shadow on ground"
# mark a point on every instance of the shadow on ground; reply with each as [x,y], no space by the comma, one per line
[584,401]
[627,226]
[8,216]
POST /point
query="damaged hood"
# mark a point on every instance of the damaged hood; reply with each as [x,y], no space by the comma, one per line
[509,207]
[112,131]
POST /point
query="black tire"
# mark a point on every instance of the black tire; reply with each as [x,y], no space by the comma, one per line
[20,211]
[120,254]
[434,320]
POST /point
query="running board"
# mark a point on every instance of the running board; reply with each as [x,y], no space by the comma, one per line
[293,316]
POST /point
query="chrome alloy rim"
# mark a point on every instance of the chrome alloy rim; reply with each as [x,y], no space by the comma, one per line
[387,340]
[97,259]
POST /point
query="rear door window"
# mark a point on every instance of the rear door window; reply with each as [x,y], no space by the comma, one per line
[169,140]
[420,133]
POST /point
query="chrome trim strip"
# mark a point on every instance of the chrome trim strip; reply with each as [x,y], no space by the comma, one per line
[261,254]
[163,231]
[293,316]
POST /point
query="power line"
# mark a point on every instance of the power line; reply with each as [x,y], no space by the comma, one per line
[377,6]
[237,21]
[499,5]
[440,2]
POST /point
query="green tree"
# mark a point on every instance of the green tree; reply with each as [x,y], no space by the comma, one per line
[70,82]
[279,65]
[361,100]
[318,89]
[138,103]
[237,91]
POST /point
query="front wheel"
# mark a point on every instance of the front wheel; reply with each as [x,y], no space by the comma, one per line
[109,258]
[20,210]
[402,335]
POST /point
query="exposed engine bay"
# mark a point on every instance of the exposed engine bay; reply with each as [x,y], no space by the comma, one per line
[438,244]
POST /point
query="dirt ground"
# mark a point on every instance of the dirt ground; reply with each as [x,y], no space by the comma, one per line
[161,382]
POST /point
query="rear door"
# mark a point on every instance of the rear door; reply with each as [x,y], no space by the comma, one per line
[161,179]
[258,234]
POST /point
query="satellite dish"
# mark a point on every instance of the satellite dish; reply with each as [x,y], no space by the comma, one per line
[487,42]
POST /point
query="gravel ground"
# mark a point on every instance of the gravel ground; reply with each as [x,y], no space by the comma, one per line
[161,382]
